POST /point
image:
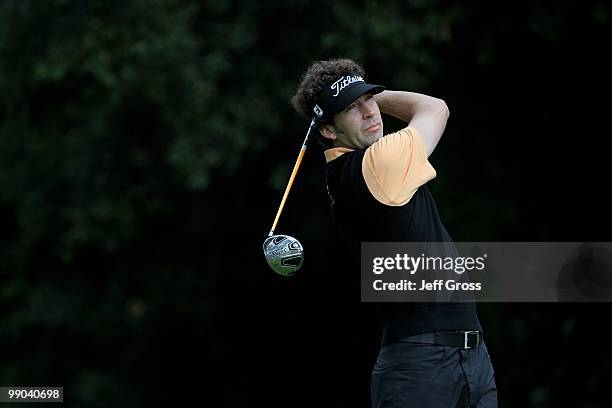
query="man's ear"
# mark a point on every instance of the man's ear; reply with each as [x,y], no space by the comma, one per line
[328,131]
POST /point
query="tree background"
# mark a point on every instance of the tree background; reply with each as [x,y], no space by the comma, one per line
[145,146]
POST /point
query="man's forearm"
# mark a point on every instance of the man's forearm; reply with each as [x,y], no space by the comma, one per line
[404,105]
[425,113]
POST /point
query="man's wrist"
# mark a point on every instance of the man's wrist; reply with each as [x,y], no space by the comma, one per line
[382,99]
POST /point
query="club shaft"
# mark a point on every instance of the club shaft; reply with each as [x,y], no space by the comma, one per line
[290,183]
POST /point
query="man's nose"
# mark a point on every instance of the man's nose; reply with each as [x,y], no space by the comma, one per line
[366,110]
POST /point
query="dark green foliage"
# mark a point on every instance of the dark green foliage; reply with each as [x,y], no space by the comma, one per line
[144,148]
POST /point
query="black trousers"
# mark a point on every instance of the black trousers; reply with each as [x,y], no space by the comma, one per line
[427,376]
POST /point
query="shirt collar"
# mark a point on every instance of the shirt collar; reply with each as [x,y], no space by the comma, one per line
[334,153]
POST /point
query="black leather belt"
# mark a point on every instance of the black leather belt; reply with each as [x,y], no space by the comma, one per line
[466,339]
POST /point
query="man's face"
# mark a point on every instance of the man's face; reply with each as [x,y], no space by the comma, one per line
[357,126]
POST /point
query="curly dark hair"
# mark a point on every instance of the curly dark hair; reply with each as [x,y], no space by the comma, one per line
[316,77]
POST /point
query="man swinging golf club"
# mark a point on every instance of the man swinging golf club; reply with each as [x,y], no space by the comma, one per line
[432,354]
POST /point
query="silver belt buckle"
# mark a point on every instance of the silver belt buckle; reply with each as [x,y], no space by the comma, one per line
[465,339]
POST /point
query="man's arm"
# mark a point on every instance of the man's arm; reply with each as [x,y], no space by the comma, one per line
[425,113]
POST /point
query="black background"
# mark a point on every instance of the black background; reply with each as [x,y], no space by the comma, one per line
[144,148]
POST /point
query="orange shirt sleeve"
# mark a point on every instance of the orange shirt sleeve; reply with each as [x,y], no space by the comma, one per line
[395,166]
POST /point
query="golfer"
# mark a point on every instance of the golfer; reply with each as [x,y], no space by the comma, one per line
[432,354]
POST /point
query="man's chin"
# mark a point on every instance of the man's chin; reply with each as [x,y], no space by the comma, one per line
[376,136]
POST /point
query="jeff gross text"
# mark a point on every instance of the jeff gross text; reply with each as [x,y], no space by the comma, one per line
[432,264]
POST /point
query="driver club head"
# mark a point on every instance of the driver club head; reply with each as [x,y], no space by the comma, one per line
[284,254]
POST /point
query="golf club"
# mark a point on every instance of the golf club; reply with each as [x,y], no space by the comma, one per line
[284,253]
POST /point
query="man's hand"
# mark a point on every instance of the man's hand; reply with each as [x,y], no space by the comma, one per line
[425,113]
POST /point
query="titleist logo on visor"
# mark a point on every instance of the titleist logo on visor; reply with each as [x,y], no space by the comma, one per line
[343,82]
[336,96]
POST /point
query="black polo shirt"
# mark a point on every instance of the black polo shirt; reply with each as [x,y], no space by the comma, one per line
[379,194]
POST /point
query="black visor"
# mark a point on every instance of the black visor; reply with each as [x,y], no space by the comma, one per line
[336,96]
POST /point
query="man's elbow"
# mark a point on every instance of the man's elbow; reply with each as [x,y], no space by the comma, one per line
[442,111]
[443,108]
